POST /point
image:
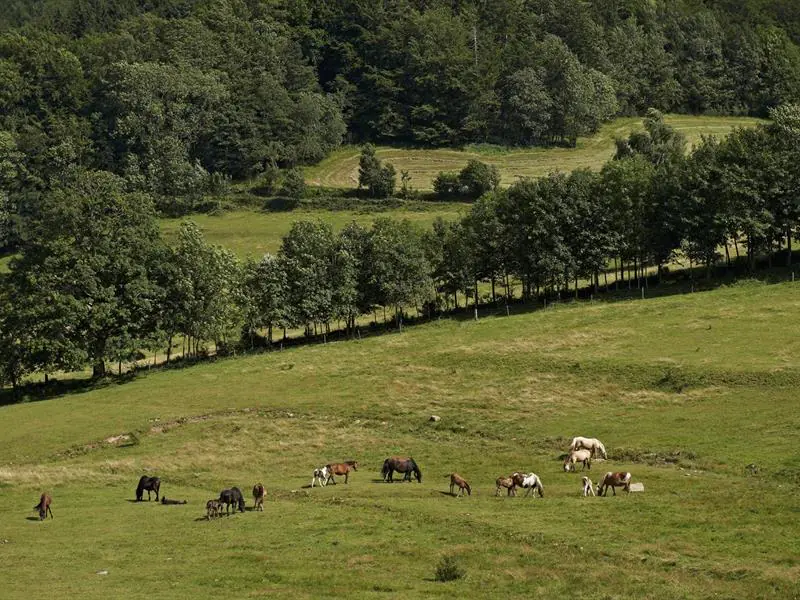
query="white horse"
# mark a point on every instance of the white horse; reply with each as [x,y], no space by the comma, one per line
[592,444]
[588,488]
[321,475]
[578,456]
[529,481]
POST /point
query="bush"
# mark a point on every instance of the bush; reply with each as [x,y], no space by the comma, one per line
[477,178]
[294,185]
[449,569]
[446,184]
[379,179]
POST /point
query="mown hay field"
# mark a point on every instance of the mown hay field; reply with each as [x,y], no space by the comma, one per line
[340,169]
[686,391]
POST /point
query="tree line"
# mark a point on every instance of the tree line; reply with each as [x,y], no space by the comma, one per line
[95,283]
[179,98]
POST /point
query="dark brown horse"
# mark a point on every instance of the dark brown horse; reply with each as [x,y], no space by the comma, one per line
[401,464]
[341,469]
[151,484]
[44,506]
[259,493]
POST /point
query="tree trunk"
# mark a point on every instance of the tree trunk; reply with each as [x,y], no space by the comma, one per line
[727,255]
[788,246]
[494,297]
[99,369]
[169,348]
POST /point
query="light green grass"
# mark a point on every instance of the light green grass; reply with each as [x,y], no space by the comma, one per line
[252,233]
[707,380]
[340,169]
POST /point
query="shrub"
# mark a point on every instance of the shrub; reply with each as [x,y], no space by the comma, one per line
[477,178]
[294,185]
[449,569]
[446,184]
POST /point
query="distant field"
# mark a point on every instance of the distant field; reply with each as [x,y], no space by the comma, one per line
[252,233]
[686,391]
[340,169]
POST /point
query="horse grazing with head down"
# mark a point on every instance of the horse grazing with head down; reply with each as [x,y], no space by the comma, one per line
[44,506]
[594,445]
[341,469]
[233,497]
[458,480]
[530,482]
[613,481]
[401,465]
[259,493]
[578,456]
[151,484]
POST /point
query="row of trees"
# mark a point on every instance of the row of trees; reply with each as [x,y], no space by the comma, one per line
[96,283]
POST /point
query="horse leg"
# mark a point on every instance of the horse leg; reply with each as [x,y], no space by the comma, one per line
[50,510]
[614,489]
[346,476]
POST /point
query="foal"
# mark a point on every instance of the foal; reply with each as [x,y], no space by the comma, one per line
[259,493]
[588,488]
[458,480]
[508,483]
[213,509]
[44,506]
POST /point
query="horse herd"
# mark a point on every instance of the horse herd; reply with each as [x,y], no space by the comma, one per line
[581,450]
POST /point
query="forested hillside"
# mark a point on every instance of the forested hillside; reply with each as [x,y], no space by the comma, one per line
[178,95]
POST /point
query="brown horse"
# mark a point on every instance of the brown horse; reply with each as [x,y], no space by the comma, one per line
[613,481]
[458,480]
[259,493]
[341,469]
[401,464]
[508,483]
[44,506]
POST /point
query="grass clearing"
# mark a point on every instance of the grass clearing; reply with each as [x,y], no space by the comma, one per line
[340,169]
[685,391]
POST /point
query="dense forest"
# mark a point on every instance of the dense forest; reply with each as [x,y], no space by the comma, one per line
[178,95]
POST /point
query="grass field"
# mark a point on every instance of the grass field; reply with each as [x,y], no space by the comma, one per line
[340,169]
[249,232]
[685,391]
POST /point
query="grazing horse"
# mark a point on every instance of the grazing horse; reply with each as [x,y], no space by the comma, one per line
[341,469]
[588,488]
[578,456]
[232,496]
[529,481]
[151,484]
[613,481]
[592,444]
[259,493]
[44,506]
[401,465]
[320,475]
[458,480]
[508,483]
[213,509]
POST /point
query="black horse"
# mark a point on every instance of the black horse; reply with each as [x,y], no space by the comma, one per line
[151,484]
[401,465]
[232,496]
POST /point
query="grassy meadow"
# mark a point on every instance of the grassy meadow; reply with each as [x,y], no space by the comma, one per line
[340,169]
[685,391]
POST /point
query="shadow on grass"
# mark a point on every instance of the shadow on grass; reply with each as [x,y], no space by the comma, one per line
[32,519]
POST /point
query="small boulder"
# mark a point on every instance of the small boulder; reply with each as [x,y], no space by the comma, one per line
[435,419]
[637,487]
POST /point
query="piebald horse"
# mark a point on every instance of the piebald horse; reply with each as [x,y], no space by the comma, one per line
[529,481]
[613,481]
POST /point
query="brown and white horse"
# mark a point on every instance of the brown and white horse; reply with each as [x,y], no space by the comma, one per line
[458,480]
[588,488]
[530,482]
[341,469]
[578,456]
[44,506]
[613,481]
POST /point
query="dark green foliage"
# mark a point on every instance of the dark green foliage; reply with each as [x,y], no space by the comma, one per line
[377,178]
[449,569]
[294,185]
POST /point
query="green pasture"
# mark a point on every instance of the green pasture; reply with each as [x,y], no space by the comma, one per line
[685,391]
[252,233]
[340,169]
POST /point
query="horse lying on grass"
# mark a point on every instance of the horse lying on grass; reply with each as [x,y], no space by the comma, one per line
[529,481]
[458,480]
[613,481]
[594,445]
[164,500]
[401,465]
[44,506]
